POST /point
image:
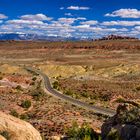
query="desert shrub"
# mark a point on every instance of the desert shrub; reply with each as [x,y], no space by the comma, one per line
[18,87]
[34,78]
[120,100]
[55,85]
[26,104]
[68,92]
[39,85]
[128,112]
[5,134]
[138,88]
[85,94]
[37,95]
[113,135]
[32,83]
[57,78]
[85,132]
[105,96]
[72,94]
[14,113]
[92,103]
[24,117]
[76,96]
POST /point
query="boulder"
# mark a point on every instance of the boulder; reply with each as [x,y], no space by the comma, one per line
[15,129]
[125,125]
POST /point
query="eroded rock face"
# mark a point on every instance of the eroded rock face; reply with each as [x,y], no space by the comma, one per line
[17,129]
[125,125]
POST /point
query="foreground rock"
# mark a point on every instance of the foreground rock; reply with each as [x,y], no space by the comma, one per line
[15,129]
[125,125]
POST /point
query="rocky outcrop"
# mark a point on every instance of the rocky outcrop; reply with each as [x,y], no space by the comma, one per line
[12,128]
[125,125]
[116,37]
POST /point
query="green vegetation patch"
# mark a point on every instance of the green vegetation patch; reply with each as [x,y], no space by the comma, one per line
[26,104]
[85,132]
[5,134]
[14,113]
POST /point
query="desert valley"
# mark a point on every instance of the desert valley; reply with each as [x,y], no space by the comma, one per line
[101,73]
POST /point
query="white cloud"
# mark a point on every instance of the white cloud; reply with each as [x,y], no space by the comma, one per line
[88,29]
[83,26]
[2,16]
[77,8]
[68,14]
[81,18]
[39,17]
[20,21]
[134,32]
[90,22]
[121,23]
[137,28]
[125,13]
[67,20]
[10,27]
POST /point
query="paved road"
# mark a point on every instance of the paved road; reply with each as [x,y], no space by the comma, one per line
[53,92]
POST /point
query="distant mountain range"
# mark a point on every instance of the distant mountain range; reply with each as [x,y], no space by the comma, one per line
[20,36]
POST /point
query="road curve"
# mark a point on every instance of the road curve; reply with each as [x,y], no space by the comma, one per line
[53,92]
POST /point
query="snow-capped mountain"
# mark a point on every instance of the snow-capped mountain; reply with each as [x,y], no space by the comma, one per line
[22,36]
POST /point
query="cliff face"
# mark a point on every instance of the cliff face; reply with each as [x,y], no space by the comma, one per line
[125,125]
[15,129]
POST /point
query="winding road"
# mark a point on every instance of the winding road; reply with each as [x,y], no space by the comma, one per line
[55,93]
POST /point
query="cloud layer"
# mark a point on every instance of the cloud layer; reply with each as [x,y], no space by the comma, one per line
[71,25]
[39,17]
[2,16]
[125,13]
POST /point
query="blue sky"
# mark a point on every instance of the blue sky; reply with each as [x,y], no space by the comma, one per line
[71,18]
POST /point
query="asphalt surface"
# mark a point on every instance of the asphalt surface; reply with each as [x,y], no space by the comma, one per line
[53,92]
